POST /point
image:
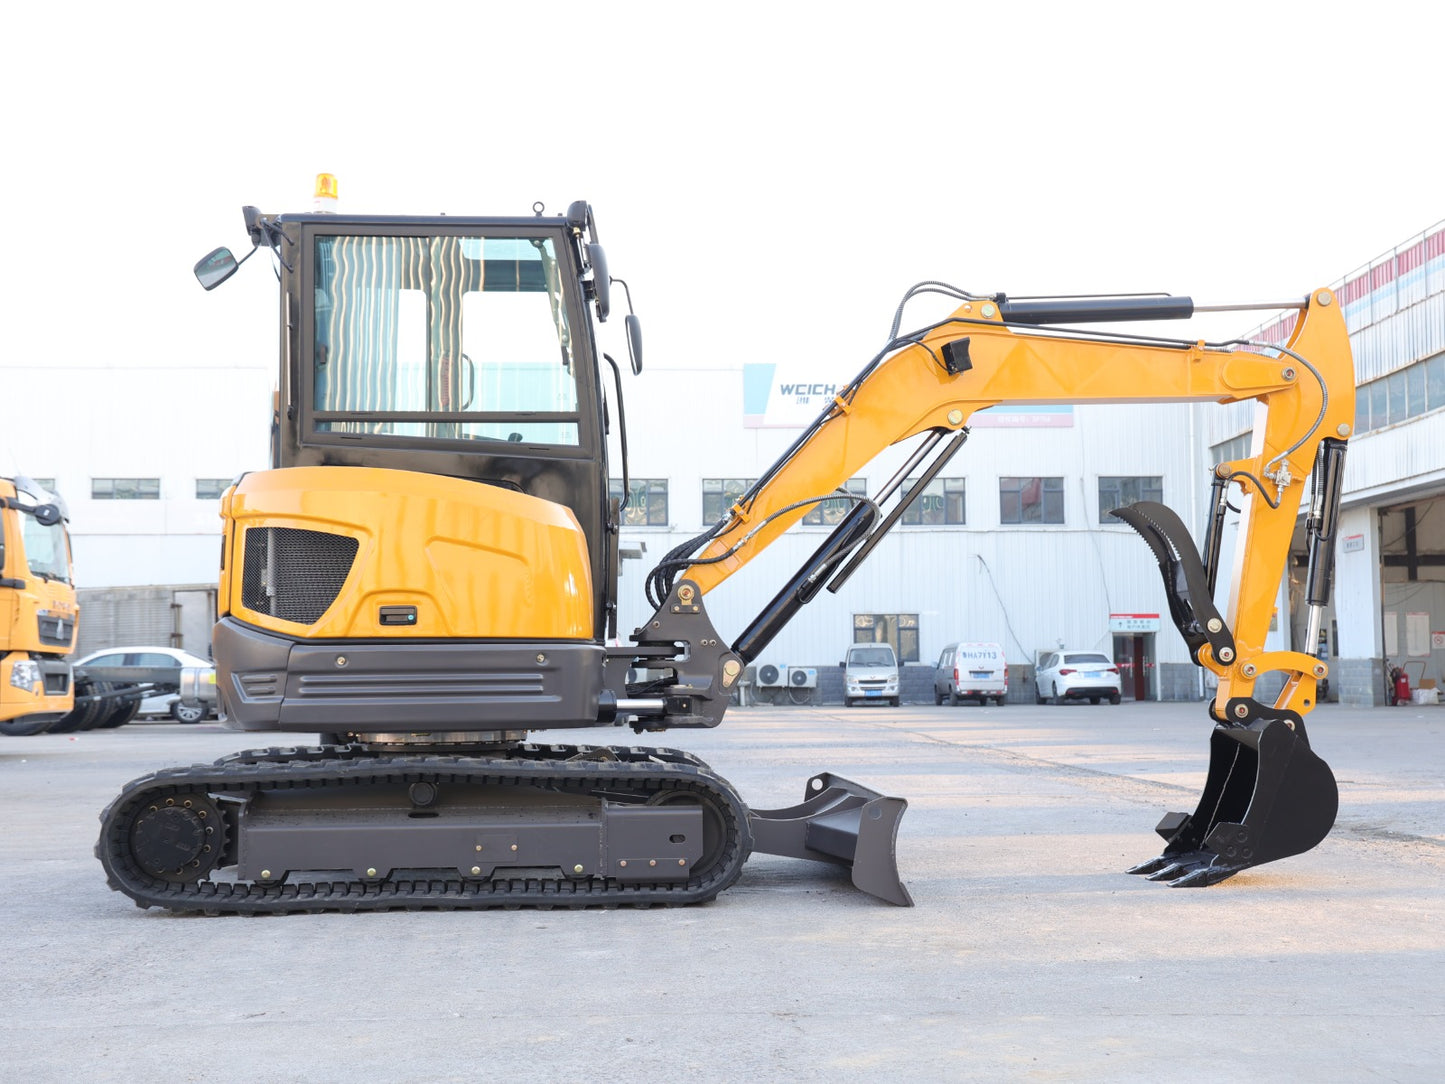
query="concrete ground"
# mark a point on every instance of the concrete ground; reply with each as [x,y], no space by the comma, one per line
[1029,955]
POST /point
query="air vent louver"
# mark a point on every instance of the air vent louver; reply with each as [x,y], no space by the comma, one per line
[294,574]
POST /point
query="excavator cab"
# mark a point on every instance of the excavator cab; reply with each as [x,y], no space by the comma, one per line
[441,499]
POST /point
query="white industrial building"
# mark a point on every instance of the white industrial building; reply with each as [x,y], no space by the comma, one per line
[143,506]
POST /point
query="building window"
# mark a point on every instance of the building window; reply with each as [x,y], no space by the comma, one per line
[210,489]
[646,502]
[941,503]
[47,484]
[1230,450]
[900,630]
[1405,393]
[720,494]
[830,513]
[1116,491]
[1031,500]
[125,489]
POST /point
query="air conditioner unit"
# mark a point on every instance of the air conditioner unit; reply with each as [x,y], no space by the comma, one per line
[769,674]
[802,677]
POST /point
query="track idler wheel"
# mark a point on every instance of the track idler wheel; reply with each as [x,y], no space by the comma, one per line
[1267,796]
[180,839]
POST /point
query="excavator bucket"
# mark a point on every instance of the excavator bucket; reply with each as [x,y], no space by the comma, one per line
[1267,796]
[843,823]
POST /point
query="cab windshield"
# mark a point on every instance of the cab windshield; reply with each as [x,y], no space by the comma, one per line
[446,338]
[870,656]
[46,551]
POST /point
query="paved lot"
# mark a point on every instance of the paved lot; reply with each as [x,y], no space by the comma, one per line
[1029,954]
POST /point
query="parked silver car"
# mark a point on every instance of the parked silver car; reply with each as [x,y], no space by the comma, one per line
[1074,675]
[162,667]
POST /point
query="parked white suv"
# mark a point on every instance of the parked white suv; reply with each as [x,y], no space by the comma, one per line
[1074,675]
[971,672]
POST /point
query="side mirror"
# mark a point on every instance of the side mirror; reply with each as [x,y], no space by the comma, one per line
[215,268]
[47,515]
[634,341]
[601,284]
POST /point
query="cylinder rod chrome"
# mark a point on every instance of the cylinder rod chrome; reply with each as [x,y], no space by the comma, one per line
[1248,306]
[641,707]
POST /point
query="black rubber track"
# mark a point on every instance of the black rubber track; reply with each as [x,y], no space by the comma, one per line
[635,772]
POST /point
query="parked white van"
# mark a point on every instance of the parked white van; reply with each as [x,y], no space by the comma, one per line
[870,672]
[971,672]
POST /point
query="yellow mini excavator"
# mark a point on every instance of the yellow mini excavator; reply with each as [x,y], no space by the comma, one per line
[428,574]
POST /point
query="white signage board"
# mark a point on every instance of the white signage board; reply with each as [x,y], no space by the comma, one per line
[1133,622]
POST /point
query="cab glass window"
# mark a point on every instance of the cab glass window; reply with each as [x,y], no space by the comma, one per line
[46,551]
[447,338]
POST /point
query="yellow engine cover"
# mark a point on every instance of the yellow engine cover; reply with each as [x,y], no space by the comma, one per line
[434,557]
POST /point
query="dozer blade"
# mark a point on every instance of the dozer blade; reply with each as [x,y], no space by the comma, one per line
[843,823]
[1267,796]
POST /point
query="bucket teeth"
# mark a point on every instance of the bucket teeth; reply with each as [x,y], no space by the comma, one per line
[1203,876]
[1190,870]
[1153,865]
[1193,870]
[1171,872]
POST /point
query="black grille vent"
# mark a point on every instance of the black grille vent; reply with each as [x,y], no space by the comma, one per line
[294,574]
[56,631]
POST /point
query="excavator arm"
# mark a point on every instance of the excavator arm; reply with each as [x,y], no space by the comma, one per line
[985,354]
[1267,794]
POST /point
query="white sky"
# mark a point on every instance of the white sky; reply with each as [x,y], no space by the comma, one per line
[769,177]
